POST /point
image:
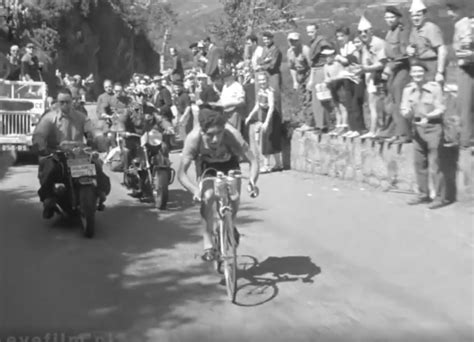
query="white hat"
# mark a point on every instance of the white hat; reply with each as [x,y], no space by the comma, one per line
[294,36]
[200,44]
[417,5]
[364,24]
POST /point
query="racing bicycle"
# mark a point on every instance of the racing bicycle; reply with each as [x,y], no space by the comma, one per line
[226,191]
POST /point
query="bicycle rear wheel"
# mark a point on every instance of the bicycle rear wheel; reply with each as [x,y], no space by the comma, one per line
[228,255]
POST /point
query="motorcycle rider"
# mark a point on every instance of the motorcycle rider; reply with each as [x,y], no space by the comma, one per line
[64,123]
[142,117]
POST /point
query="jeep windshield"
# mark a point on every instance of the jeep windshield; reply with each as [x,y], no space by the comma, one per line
[22,90]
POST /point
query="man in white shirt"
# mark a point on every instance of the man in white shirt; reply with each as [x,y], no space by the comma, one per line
[232,99]
[253,51]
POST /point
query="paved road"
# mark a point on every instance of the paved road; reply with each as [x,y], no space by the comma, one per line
[321,260]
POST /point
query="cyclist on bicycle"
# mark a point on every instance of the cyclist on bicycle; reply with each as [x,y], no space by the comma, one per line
[217,145]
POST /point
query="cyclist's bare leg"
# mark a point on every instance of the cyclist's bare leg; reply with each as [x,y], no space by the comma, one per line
[207,212]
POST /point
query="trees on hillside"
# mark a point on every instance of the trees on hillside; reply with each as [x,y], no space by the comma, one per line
[40,20]
[242,17]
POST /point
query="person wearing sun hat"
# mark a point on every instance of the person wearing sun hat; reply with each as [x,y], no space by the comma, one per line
[298,60]
[463,44]
[427,43]
[396,72]
[373,60]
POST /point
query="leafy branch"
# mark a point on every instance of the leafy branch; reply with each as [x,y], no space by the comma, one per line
[242,17]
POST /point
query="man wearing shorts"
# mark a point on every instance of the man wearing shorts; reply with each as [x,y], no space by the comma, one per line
[214,144]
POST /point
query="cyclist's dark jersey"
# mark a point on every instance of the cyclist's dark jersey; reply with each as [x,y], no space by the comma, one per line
[225,157]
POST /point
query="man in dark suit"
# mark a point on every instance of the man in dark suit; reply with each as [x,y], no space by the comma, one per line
[213,56]
[162,99]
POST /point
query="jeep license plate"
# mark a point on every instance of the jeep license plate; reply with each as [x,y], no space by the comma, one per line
[21,148]
[84,170]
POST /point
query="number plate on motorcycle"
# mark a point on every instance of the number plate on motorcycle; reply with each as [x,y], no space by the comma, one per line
[82,170]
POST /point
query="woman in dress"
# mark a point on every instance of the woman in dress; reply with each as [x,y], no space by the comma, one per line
[265,128]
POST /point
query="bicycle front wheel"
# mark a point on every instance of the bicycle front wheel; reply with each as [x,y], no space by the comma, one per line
[229,255]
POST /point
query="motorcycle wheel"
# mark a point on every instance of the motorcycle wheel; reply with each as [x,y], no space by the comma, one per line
[160,188]
[88,206]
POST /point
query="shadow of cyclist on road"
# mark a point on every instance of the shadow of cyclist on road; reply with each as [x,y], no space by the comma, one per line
[257,281]
[286,268]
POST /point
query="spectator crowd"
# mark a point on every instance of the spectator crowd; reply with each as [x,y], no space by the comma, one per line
[399,78]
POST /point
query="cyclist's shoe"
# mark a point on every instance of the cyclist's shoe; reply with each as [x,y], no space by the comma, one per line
[209,255]
[236,237]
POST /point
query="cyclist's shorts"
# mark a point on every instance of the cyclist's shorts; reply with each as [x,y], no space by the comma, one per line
[232,164]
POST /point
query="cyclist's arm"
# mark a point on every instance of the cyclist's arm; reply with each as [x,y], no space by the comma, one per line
[189,154]
[183,177]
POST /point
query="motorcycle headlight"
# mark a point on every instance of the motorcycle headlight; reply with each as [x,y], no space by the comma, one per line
[35,118]
[136,162]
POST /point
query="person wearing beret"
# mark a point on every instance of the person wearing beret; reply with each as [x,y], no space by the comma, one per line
[396,73]
[463,44]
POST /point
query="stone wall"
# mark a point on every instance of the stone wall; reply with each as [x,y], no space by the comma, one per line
[389,167]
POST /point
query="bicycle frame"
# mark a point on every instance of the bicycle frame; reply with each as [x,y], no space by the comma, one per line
[225,191]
